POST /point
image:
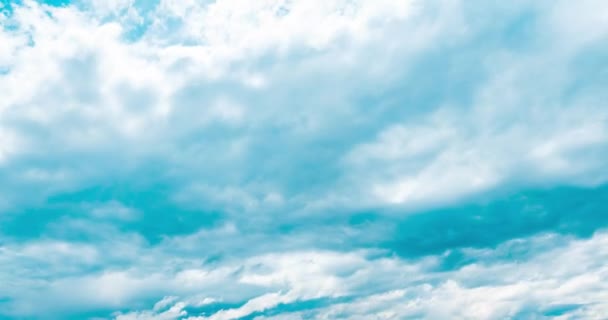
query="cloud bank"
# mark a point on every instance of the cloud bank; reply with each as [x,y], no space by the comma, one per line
[283,159]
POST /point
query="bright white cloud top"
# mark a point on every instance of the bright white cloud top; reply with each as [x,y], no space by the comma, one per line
[298,159]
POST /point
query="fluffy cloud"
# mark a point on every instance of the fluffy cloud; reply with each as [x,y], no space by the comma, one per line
[298,159]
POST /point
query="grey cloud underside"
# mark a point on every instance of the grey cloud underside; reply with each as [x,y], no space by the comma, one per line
[408,161]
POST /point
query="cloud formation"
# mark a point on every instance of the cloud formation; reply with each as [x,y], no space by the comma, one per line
[303,159]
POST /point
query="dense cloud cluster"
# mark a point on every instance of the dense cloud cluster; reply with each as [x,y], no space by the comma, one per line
[291,159]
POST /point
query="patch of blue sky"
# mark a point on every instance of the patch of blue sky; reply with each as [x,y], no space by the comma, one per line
[57,3]
[8,4]
[561,310]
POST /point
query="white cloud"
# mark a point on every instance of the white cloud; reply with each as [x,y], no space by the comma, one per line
[386,288]
[449,156]
[239,27]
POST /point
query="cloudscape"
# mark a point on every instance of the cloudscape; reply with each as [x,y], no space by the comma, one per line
[303,159]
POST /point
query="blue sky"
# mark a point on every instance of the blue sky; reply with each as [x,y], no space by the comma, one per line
[282,159]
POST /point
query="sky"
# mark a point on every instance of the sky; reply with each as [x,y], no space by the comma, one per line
[303,159]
